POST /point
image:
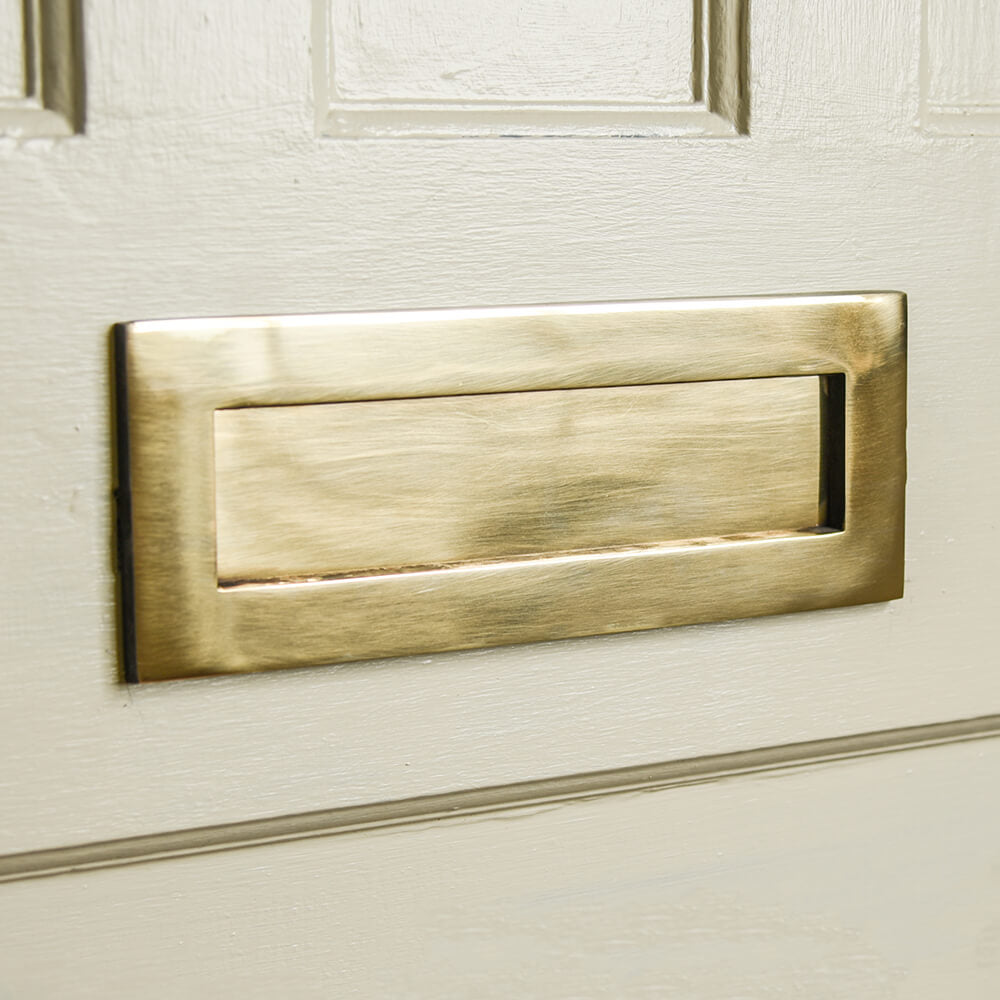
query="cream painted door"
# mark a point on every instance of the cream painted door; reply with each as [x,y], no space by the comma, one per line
[222,157]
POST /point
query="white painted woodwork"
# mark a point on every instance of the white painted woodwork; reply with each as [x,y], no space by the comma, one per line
[12,55]
[201,187]
[41,76]
[869,878]
[537,67]
[540,51]
[962,66]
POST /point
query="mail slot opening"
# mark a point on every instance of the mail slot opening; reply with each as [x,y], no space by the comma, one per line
[333,490]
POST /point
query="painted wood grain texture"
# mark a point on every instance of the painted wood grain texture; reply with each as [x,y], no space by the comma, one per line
[397,68]
[13,70]
[493,50]
[961,71]
[394,484]
[865,879]
[201,189]
[42,89]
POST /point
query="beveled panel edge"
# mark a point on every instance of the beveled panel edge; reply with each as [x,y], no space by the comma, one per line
[457,805]
[54,100]
[720,106]
[979,115]
[192,367]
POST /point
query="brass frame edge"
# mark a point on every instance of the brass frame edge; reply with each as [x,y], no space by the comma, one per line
[477,801]
[180,371]
[122,492]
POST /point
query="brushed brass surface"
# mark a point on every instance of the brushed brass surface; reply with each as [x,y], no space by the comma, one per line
[202,596]
[340,489]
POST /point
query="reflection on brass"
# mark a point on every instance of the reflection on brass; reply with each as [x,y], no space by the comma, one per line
[314,489]
[339,489]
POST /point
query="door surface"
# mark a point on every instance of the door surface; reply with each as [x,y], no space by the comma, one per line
[226,158]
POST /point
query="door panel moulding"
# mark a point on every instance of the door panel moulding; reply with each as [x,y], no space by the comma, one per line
[480,801]
[715,101]
[46,56]
[960,47]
